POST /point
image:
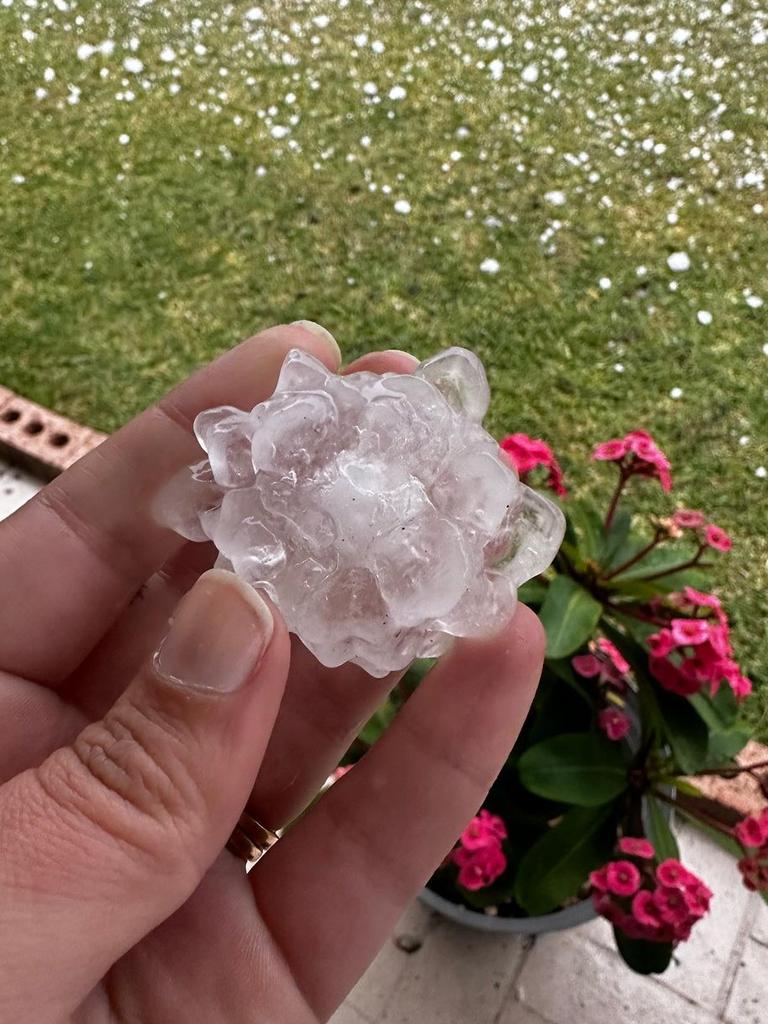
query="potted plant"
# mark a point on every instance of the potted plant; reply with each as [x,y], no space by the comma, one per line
[639,692]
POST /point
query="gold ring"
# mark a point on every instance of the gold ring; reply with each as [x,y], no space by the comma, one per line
[250,839]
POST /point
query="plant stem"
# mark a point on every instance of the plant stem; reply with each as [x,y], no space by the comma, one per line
[727,771]
[677,568]
[633,613]
[635,558]
[696,811]
[623,477]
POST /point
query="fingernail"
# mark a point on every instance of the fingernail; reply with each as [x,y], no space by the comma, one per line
[406,356]
[320,331]
[217,636]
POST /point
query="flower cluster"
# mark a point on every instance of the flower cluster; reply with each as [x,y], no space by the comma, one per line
[658,904]
[710,535]
[606,664]
[527,453]
[636,454]
[752,833]
[694,649]
[479,856]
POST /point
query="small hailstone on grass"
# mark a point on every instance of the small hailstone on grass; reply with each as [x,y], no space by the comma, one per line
[555,198]
[402,206]
[605,283]
[679,261]
[744,440]
[377,46]
[124,139]
[279,131]
[134,65]
[49,74]
[704,317]
[676,393]
[18,179]
[754,301]
[641,271]
[680,36]
[167,54]
[618,367]
[84,51]
[496,67]
[761,472]
[530,73]
[397,92]
[370,88]
[765,349]
[490,266]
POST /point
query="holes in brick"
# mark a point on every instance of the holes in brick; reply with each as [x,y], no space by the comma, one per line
[33,427]
[10,416]
[59,440]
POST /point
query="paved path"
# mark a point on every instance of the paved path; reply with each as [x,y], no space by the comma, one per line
[462,977]
[575,977]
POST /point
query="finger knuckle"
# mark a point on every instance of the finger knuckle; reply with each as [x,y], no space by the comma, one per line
[130,777]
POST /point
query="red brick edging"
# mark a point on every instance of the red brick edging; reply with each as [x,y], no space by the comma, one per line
[39,439]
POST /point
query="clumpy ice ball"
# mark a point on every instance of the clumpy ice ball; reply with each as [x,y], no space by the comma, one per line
[375,511]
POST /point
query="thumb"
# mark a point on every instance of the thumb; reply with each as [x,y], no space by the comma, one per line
[108,837]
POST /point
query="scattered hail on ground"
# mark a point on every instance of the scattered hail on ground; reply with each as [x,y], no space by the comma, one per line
[574,191]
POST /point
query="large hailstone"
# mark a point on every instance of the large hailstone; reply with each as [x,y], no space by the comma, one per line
[374,510]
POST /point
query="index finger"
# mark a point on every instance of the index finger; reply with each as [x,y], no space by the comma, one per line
[73,557]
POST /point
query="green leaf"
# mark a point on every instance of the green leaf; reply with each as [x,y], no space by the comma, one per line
[725,745]
[659,832]
[660,559]
[588,527]
[569,616]
[558,864]
[719,712]
[617,540]
[377,723]
[561,667]
[643,957]
[685,730]
[533,592]
[579,768]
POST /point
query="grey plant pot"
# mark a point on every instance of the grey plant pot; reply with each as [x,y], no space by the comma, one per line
[570,917]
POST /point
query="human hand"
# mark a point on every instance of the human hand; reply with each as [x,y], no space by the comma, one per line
[123,774]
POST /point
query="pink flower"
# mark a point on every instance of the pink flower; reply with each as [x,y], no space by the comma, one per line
[613,654]
[611,451]
[636,847]
[526,453]
[718,538]
[661,644]
[689,631]
[741,686]
[614,723]
[672,905]
[672,678]
[606,908]
[480,868]
[648,459]
[623,877]
[599,879]
[687,519]
[700,599]
[671,873]
[751,832]
[644,909]
[484,830]
[587,665]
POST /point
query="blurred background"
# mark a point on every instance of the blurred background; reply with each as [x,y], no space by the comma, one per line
[575,191]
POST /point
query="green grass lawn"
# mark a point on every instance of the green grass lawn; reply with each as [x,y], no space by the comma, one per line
[244,169]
